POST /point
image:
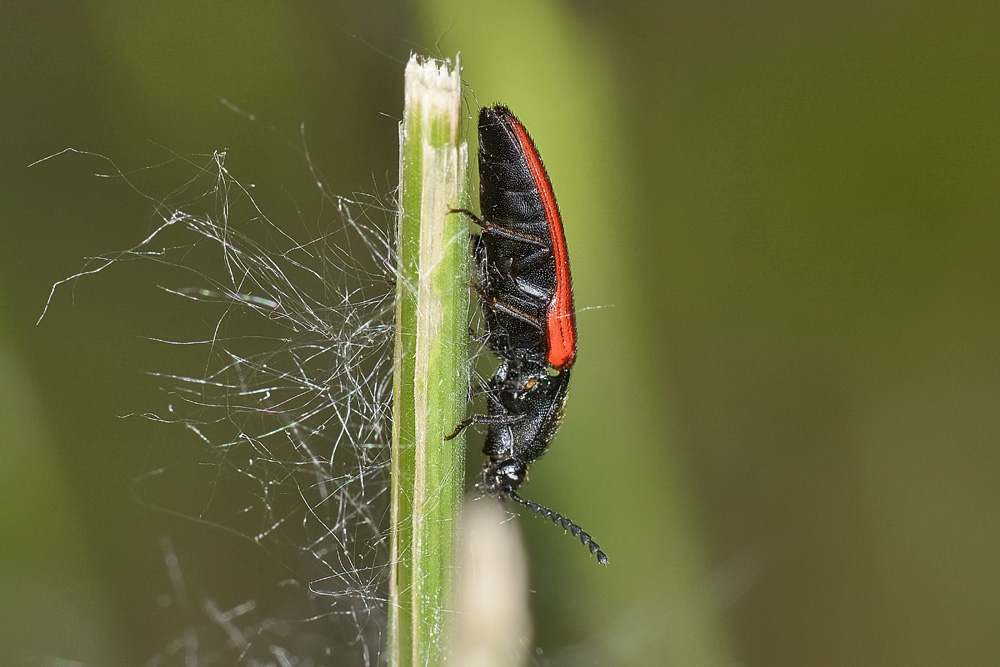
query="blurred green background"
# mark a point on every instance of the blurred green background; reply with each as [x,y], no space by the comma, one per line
[783,220]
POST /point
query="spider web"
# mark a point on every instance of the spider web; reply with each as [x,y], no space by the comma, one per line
[292,409]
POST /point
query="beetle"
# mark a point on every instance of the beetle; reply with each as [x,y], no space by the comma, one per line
[526,296]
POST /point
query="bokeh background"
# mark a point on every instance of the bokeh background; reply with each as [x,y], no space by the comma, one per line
[783,219]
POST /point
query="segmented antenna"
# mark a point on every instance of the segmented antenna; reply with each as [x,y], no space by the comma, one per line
[560,520]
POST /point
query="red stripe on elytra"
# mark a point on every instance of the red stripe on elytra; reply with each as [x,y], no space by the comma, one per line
[560,320]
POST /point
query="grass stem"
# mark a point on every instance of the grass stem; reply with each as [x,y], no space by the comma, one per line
[430,377]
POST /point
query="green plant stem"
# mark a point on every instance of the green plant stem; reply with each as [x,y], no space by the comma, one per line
[430,378]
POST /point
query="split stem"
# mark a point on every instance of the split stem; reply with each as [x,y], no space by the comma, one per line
[430,377]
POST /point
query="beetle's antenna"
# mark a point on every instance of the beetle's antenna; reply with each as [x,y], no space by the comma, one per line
[560,520]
